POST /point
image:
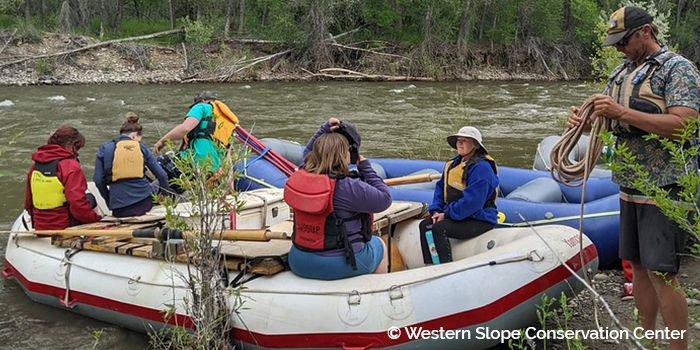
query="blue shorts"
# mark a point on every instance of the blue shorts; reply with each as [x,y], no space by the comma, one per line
[323,267]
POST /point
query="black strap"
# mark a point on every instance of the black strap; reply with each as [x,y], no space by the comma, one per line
[249,265]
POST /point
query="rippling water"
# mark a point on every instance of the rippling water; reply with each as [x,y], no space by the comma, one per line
[404,120]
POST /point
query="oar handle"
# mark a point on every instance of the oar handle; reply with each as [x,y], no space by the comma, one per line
[165,234]
[412,179]
[250,235]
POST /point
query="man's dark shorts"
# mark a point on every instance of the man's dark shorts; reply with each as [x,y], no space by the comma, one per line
[647,235]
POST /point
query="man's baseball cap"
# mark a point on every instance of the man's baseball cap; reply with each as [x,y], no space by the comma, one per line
[625,20]
[208,95]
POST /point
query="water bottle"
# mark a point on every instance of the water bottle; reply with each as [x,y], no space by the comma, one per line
[431,245]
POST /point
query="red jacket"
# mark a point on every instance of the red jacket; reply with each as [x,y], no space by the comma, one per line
[71,176]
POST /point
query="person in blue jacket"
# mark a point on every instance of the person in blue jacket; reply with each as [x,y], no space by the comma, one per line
[464,202]
[120,172]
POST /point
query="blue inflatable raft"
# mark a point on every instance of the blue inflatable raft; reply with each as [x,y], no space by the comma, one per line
[527,193]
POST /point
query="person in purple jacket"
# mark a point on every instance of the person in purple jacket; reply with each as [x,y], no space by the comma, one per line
[328,153]
[464,202]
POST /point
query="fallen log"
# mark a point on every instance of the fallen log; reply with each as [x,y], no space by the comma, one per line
[369,51]
[358,76]
[8,41]
[93,46]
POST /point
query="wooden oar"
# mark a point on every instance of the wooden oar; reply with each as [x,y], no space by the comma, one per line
[165,234]
[412,179]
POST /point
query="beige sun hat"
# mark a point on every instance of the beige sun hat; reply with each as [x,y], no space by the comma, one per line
[467,131]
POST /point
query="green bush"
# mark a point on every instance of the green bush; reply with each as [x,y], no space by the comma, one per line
[7,21]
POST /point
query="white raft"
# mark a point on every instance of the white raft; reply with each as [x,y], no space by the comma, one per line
[496,281]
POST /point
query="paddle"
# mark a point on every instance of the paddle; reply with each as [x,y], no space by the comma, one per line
[412,179]
[165,234]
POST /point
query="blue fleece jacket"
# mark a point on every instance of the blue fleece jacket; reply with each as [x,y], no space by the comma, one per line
[127,192]
[481,183]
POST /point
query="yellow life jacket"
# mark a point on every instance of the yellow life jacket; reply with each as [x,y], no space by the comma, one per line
[217,126]
[456,178]
[128,161]
[634,91]
[47,189]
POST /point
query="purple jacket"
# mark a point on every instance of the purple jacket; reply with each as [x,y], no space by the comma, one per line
[354,196]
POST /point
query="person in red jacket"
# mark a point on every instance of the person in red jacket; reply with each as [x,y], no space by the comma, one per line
[56,185]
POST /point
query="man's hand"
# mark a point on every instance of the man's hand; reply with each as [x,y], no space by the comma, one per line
[437,217]
[605,106]
[157,147]
[334,123]
[574,119]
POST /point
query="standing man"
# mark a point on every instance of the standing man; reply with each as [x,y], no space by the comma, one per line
[653,91]
[207,121]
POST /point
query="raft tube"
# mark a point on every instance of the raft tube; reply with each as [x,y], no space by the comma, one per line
[602,208]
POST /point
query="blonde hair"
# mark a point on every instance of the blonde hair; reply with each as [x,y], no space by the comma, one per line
[329,155]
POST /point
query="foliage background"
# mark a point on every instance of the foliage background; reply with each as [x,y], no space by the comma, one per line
[546,36]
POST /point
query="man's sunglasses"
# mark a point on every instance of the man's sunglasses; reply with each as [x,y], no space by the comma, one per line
[626,40]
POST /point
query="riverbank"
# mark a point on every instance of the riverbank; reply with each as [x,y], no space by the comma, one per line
[238,61]
[608,284]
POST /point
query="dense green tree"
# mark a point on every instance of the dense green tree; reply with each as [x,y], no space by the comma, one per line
[564,30]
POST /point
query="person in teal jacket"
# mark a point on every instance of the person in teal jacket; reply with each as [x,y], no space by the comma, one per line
[464,202]
[196,122]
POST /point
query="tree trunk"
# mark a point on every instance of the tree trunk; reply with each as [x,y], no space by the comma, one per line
[227,25]
[42,11]
[481,24]
[241,17]
[27,11]
[463,36]
[172,14]
[266,8]
[84,11]
[136,8]
[426,46]
[318,33]
[493,29]
[65,22]
[103,14]
[568,20]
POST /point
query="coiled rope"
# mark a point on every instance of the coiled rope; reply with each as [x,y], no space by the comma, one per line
[575,174]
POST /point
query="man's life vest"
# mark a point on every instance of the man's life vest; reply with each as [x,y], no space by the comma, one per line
[317,228]
[127,163]
[457,177]
[219,126]
[634,91]
[47,189]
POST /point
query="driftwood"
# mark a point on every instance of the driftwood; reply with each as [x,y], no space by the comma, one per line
[184,52]
[257,41]
[90,47]
[368,51]
[8,41]
[248,64]
[357,76]
[263,41]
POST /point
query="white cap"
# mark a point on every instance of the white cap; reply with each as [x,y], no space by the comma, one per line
[467,131]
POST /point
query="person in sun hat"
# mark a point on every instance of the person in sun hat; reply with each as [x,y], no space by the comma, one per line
[653,91]
[464,202]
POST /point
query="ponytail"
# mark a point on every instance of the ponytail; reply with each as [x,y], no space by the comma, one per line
[131,124]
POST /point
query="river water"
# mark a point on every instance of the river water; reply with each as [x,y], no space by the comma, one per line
[402,120]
